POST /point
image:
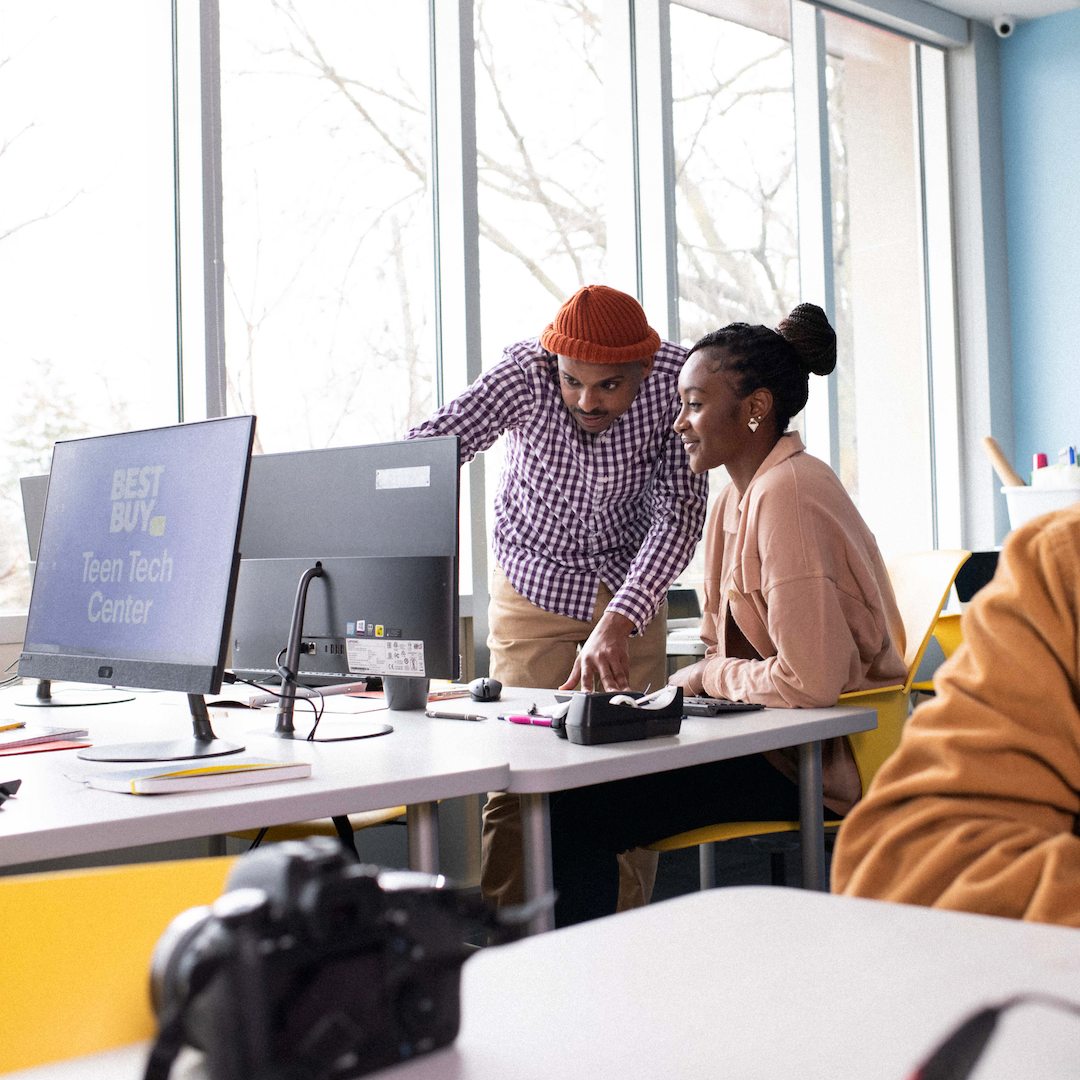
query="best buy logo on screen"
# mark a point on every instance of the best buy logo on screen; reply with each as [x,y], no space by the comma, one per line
[134,492]
[110,576]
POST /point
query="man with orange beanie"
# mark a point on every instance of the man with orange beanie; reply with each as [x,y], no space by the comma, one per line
[596,514]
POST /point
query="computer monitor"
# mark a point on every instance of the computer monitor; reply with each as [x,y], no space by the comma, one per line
[976,573]
[382,520]
[136,567]
[34,490]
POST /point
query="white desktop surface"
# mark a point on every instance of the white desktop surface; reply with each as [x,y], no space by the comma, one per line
[755,983]
[542,762]
[53,816]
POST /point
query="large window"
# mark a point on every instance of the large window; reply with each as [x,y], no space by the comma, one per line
[651,146]
[541,141]
[329,334]
[87,256]
[883,389]
[734,133]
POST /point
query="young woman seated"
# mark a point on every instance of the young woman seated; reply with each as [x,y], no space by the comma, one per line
[798,608]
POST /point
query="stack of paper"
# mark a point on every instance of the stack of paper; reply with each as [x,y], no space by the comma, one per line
[161,779]
[19,738]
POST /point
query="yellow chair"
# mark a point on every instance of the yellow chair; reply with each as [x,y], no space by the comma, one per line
[342,827]
[77,947]
[921,582]
[948,636]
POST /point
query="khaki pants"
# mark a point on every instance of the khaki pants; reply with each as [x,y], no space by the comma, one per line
[536,648]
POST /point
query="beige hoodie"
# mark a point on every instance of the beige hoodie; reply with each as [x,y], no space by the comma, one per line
[797,570]
[979,808]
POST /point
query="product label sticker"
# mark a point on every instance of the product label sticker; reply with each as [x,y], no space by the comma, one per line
[369,656]
[388,479]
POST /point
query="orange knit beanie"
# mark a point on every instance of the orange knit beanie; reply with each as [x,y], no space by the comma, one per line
[601,326]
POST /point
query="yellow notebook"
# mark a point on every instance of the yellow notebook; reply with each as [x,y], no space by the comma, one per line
[188,776]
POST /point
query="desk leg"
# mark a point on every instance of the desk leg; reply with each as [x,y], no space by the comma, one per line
[811,818]
[422,822]
[536,850]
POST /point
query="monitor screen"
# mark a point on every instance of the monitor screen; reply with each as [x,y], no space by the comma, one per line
[383,521]
[137,557]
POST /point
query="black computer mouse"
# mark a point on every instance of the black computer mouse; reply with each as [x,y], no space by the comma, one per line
[485,689]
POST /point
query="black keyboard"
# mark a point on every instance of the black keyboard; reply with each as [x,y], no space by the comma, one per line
[711,706]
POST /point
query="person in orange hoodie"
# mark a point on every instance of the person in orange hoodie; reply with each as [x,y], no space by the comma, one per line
[978,808]
[798,607]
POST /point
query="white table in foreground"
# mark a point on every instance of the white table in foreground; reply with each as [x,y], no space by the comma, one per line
[416,764]
[756,983]
[541,763]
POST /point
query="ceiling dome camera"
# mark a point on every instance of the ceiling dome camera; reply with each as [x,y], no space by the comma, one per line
[1003,25]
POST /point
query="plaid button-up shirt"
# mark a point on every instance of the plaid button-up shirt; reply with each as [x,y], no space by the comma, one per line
[575,508]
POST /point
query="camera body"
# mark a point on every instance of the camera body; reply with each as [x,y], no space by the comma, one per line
[1004,25]
[310,967]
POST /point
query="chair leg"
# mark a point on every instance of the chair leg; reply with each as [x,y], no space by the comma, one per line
[345,834]
[777,868]
[707,865]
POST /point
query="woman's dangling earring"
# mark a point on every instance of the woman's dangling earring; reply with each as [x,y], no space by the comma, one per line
[754,423]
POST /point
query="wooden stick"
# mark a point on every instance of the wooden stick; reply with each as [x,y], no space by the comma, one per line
[1006,473]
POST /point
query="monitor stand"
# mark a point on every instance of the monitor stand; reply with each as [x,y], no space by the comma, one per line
[284,728]
[71,696]
[202,744]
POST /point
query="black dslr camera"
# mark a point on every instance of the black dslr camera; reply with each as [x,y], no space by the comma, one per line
[310,967]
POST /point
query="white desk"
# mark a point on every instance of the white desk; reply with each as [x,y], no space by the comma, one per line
[417,764]
[756,983]
[421,761]
[541,763]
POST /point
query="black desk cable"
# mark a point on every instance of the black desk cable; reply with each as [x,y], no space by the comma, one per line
[956,1057]
[229,677]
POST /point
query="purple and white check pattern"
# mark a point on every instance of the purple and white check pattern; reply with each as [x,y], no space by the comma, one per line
[573,508]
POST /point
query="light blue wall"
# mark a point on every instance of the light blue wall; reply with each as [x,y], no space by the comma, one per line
[1040,90]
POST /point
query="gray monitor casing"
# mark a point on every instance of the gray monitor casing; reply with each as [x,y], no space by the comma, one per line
[383,521]
[34,490]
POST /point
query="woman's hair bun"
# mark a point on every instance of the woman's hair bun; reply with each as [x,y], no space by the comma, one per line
[808,332]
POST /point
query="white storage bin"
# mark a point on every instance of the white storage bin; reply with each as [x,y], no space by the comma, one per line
[1026,503]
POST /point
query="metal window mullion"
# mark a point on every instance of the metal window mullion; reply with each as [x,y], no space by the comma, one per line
[175,61]
[814,197]
[657,239]
[623,259]
[456,220]
[213,225]
[924,275]
[941,308]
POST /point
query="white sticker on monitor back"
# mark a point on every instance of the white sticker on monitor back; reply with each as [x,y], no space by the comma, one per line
[419,476]
[393,656]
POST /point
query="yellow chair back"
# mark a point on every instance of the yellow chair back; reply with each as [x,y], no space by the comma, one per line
[947,632]
[76,956]
[921,582]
